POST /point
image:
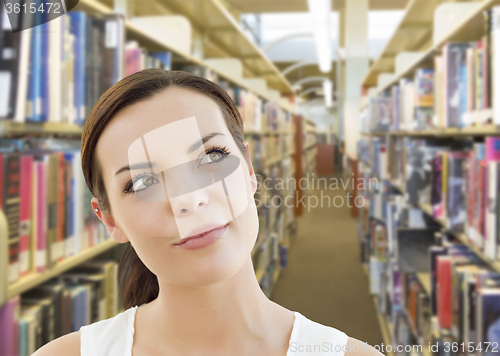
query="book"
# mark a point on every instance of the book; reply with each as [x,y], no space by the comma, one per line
[455,197]
[443,295]
[25,251]
[454,58]
[13,66]
[488,320]
[10,205]
[79,31]
[495,61]
[9,326]
[490,243]
[424,88]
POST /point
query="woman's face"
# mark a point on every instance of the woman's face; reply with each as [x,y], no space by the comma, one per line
[178,128]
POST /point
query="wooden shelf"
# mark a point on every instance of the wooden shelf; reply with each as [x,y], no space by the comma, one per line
[385,328]
[202,14]
[260,274]
[413,32]
[310,145]
[276,274]
[33,279]
[8,128]
[395,185]
[272,161]
[257,245]
[460,31]
[425,281]
[426,208]
[486,130]
[464,240]
[223,29]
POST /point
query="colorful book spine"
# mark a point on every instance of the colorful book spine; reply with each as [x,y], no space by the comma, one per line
[79,31]
[25,214]
[11,188]
[44,74]
[444,290]
[492,146]
[41,252]
[495,62]
[9,326]
[33,103]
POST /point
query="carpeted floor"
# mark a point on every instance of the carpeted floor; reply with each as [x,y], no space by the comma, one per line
[325,280]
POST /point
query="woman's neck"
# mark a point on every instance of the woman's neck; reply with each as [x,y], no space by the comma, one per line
[223,316]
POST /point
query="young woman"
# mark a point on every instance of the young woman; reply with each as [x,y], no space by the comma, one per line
[184,295]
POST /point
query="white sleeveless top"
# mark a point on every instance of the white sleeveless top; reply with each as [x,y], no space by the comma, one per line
[114,337]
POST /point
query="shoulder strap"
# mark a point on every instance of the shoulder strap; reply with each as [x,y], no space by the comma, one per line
[109,337]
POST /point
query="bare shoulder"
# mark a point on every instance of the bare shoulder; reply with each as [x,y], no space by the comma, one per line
[66,345]
[358,348]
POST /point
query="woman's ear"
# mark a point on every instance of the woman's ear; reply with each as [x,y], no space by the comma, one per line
[253,178]
[108,221]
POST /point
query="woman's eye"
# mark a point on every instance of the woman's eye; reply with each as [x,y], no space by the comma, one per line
[143,183]
[212,157]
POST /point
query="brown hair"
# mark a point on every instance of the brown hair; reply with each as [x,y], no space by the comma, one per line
[139,285]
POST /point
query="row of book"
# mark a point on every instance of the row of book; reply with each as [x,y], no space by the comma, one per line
[459,91]
[456,181]
[81,296]
[259,117]
[429,286]
[47,205]
[275,199]
[268,148]
[58,71]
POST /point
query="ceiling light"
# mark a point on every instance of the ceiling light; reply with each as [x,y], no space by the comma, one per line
[327,92]
[320,11]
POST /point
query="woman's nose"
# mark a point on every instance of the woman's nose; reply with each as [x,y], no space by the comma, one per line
[190,203]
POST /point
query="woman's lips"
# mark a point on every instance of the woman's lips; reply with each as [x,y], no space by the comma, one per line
[203,239]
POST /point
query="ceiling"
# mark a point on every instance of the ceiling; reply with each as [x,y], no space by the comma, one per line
[305,72]
[259,6]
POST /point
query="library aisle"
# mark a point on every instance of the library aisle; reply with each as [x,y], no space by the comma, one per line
[325,279]
[391,107]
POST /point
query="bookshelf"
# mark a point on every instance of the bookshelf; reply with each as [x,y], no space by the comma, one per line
[233,58]
[466,25]
[247,51]
[16,129]
[476,131]
[413,32]
[34,279]
[398,125]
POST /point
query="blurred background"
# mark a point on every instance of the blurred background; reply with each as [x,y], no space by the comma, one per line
[380,118]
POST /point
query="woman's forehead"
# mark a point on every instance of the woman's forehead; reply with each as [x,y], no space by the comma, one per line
[168,109]
[171,105]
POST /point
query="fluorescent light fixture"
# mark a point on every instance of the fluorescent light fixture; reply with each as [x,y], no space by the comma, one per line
[327,92]
[320,11]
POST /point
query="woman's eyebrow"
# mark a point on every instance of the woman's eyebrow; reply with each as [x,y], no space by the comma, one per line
[144,165]
[194,146]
